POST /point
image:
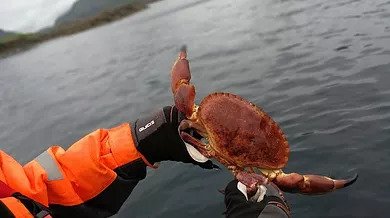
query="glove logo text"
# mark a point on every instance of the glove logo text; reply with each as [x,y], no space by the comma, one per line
[146,126]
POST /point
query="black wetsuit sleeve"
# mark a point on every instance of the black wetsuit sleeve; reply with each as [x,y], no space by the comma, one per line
[273,211]
[109,201]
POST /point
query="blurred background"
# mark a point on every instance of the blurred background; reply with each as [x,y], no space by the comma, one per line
[321,69]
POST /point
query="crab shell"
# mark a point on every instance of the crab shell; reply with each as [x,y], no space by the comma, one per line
[241,134]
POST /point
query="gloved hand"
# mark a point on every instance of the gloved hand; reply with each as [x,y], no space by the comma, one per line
[268,201]
[158,138]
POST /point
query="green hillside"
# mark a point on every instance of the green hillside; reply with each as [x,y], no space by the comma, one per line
[83,15]
[6,35]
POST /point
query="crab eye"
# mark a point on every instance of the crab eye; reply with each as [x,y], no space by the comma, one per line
[204,140]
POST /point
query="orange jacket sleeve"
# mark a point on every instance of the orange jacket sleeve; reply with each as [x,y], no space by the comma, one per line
[90,179]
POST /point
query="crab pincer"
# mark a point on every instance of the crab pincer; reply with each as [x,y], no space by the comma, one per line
[311,184]
[183,91]
[251,180]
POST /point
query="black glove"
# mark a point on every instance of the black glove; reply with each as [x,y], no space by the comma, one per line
[268,202]
[158,138]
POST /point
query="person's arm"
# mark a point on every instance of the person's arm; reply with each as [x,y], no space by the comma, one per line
[90,179]
[95,175]
[268,202]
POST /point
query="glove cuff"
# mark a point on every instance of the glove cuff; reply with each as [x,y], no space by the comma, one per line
[147,137]
[157,138]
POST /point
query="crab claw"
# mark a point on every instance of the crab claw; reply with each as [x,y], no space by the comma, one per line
[252,181]
[184,98]
[311,184]
[183,91]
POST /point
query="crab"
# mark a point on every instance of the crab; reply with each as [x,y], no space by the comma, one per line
[241,136]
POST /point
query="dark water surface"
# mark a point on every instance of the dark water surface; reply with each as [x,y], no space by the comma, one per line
[320,68]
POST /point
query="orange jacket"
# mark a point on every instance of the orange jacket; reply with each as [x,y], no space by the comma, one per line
[91,179]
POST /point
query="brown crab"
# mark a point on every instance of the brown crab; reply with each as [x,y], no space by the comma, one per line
[241,136]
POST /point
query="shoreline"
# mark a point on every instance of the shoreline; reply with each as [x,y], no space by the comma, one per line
[21,42]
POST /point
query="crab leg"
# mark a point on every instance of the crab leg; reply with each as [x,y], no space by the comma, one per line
[183,91]
[250,180]
[199,145]
[310,184]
